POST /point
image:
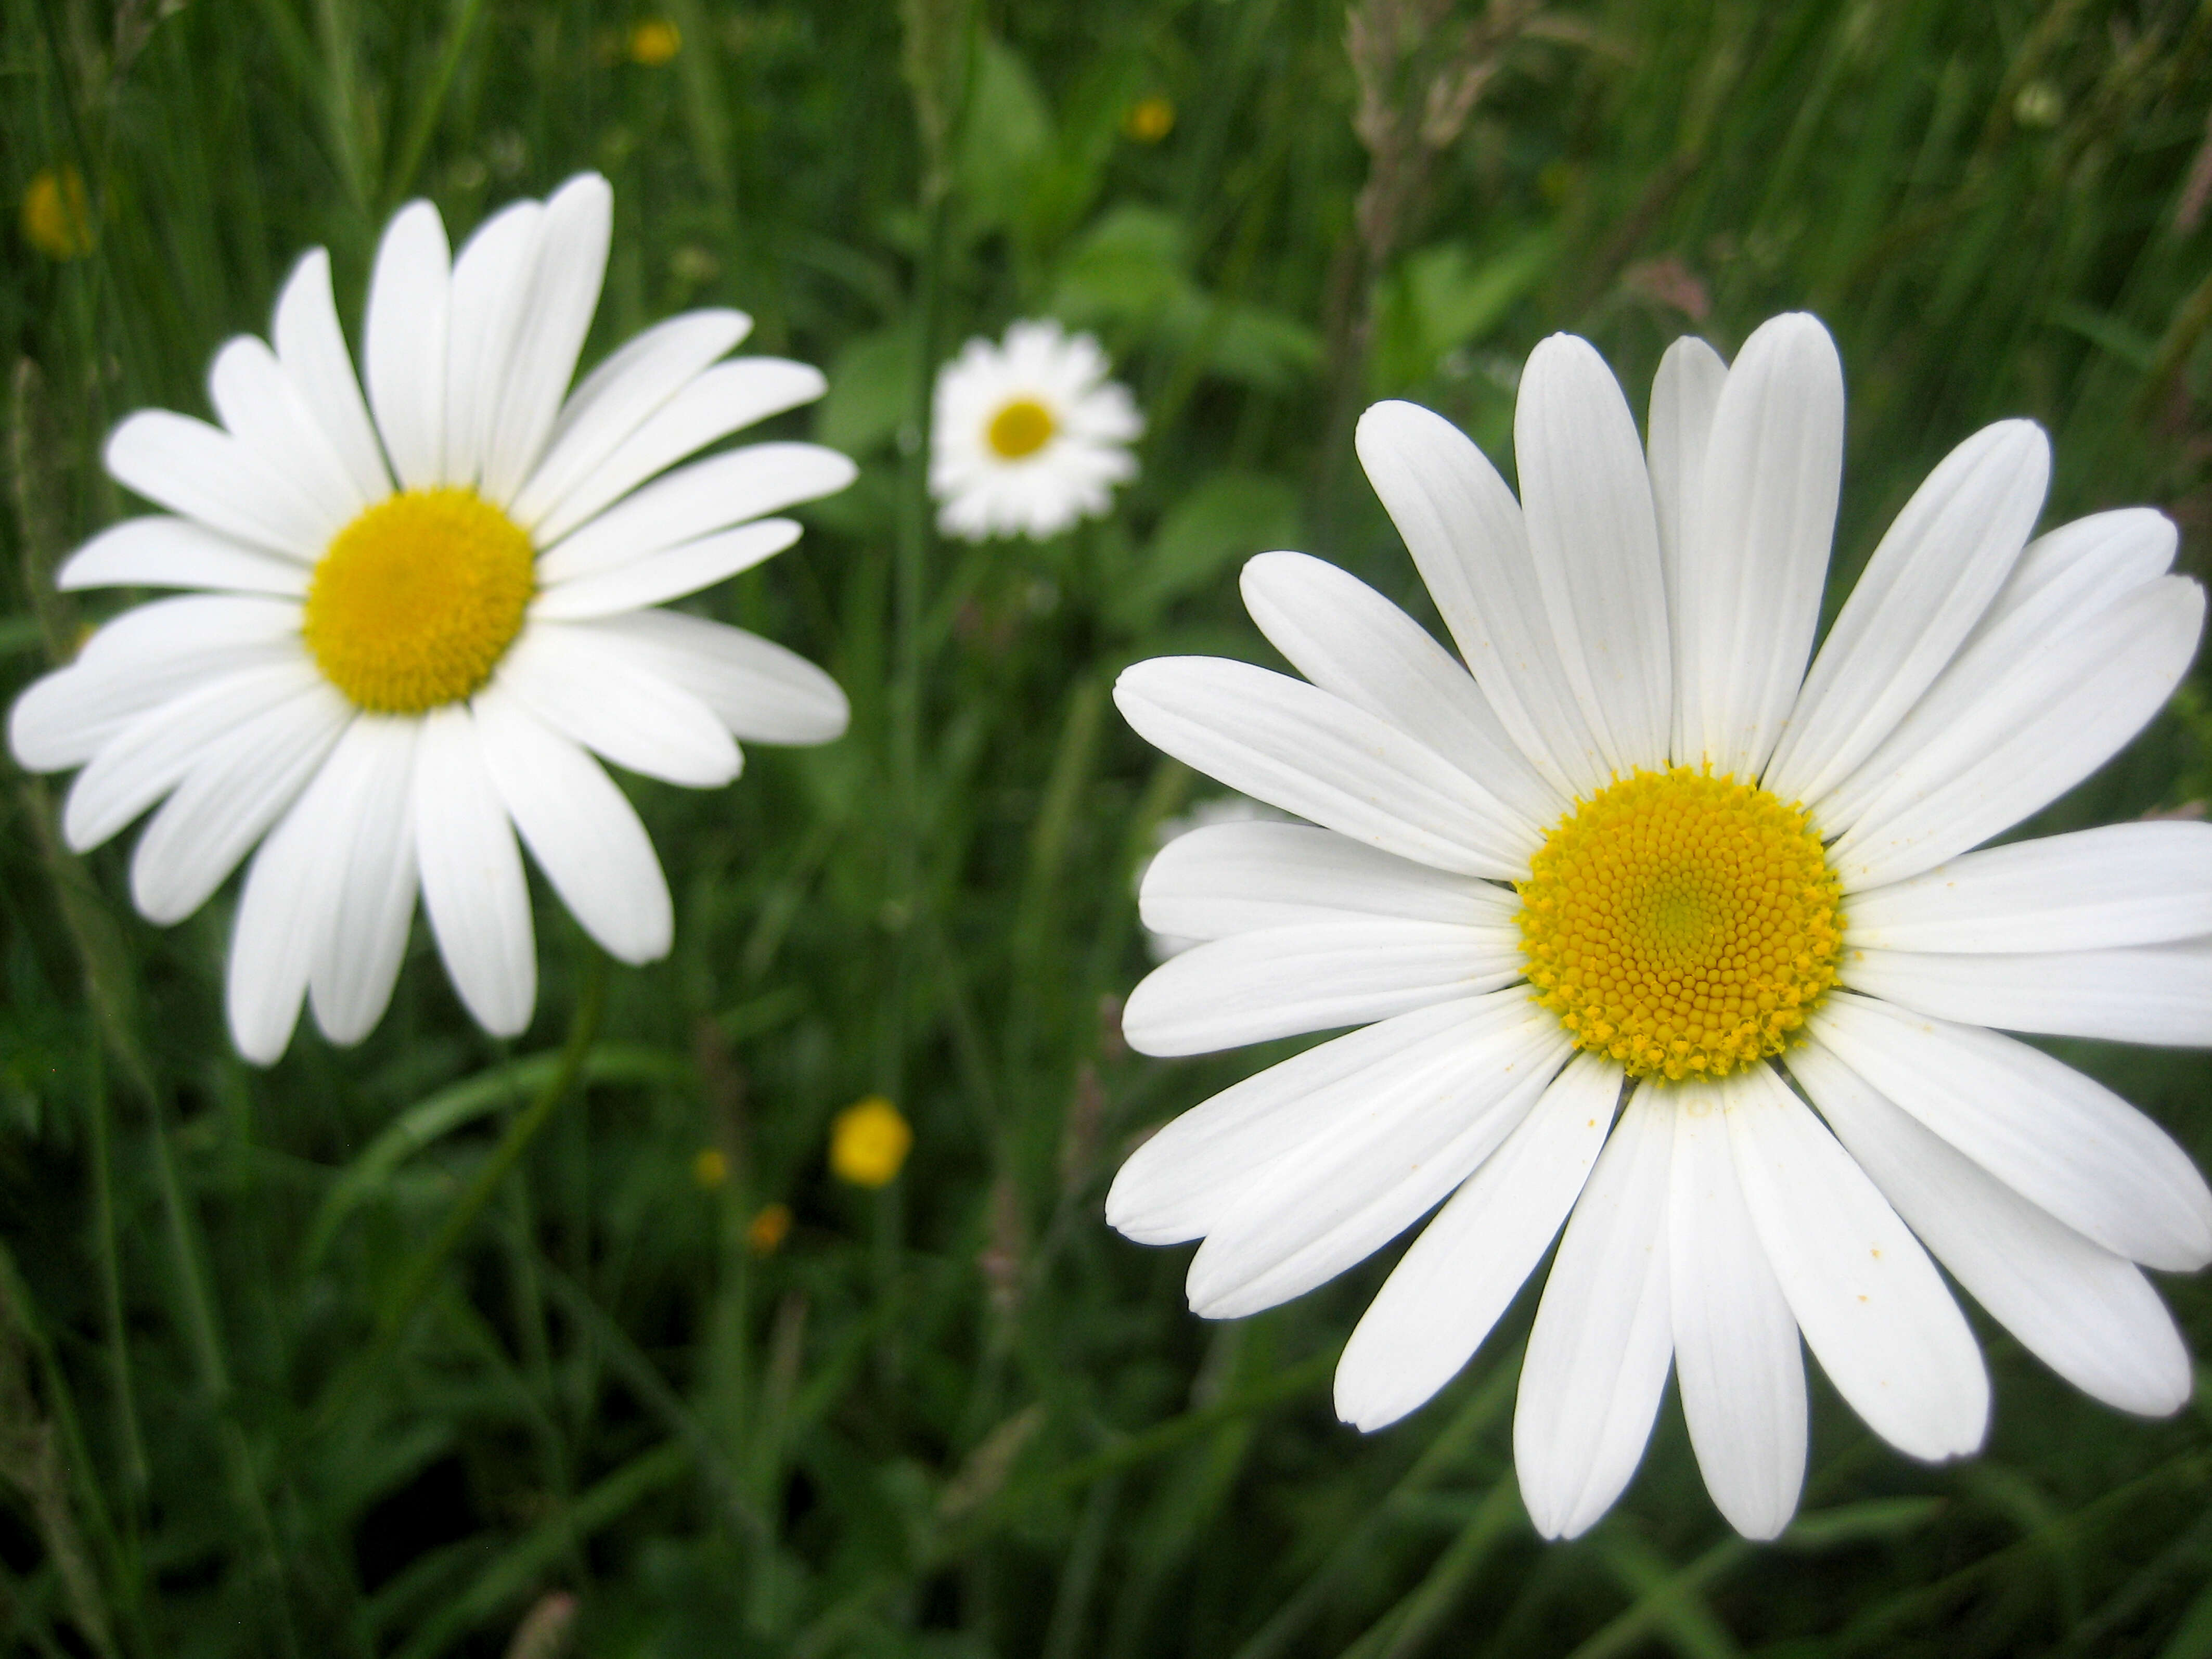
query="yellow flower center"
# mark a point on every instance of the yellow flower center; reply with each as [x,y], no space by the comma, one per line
[1021,428]
[1682,924]
[414,602]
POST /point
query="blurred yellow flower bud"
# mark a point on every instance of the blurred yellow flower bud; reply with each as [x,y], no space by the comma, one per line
[768,1229]
[654,41]
[868,1142]
[709,1167]
[1149,120]
[56,219]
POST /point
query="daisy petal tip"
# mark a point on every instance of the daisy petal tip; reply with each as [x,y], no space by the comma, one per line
[1798,332]
[589,186]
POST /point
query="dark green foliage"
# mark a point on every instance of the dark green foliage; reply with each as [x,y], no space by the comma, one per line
[243,1408]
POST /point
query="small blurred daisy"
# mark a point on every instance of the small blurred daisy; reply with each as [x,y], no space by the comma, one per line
[1645,851]
[1029,436]
[409,629]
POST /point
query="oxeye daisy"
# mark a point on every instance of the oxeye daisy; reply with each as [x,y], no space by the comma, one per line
[414,620]
[1029,436]
[1629,854]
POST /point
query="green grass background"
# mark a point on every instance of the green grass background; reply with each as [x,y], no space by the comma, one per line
[270,1385]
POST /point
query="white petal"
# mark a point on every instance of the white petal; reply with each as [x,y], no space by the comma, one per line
[601,700]
[720,401]
[1467,534]
[557,314]
[584,835]
[1186,1177]
[1350,640]
[761,691]
[2119,884]
[147,759]
[368,882]
[263,409]
[273,938]
[2052,1134]
[2086,1313]
[1295,746]
[1283,981]
[1684,394]
[1598,1354]
[143,657]
[659,577]
[1339,1196]
[1736,1340]
[1754,556]
[1593,539]
[2156,993]
[2075,571]
[706,497]
[489,295]
[2037,730]
[1225,878]
[236,789]
[404,347]
[203,473]
[1460,1275]
[2063,582]
[473,886]
[618,396]
[311,346]
[1928,583]
[160,551]
[1873,1308]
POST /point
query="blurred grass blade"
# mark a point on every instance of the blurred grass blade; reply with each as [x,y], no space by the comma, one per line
[467,1101]
[511,1576]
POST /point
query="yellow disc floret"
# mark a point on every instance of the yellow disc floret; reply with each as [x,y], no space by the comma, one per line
[414,602]
[1682,924]
[1021,428]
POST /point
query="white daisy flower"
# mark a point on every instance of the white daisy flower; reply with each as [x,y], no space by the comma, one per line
[1029,437]
[406,631]
[1644,850]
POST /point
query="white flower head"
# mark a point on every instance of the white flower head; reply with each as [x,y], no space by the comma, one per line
[1643,850]
[1029,436]
[411,621]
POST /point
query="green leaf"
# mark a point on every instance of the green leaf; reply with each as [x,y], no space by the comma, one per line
[1130,267]
[1006,137]
[1446,297]
[871,390]
[1229,517]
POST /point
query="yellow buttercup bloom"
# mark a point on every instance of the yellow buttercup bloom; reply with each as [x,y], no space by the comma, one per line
[767,1231]
[1150,120]
[868,1143]
[654,41]
[709,1167]
[56,218]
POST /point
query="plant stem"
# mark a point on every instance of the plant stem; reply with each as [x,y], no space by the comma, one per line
[583,1026]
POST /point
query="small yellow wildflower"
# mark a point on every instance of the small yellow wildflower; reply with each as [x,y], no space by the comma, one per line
[768,1229]
[1150,120]
[868,1142]
[709,1167]
[654,41]
[57,219]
